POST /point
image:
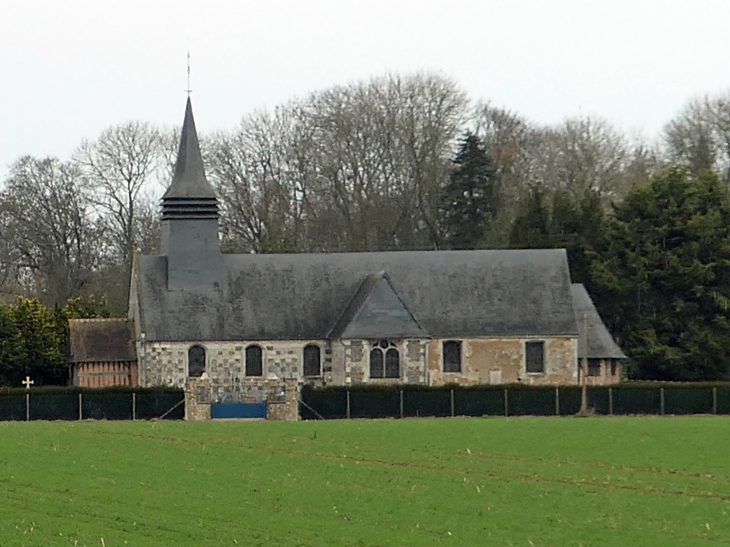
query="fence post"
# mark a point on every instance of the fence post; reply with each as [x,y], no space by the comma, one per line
[506,404]
[81,407]
[27,406]
[134,405]
[557,401]
[452,403]
[714,400]
[661,400]
[401,403]
[347,392]
[610,401]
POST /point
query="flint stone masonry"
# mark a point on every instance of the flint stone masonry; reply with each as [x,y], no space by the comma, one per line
[167,363]
[412,356]
[284,408]
[197,399]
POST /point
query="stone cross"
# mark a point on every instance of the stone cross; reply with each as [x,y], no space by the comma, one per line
[27,382]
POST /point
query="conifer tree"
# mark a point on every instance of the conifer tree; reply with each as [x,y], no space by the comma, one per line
[470,199]
[530,229]
[666,275]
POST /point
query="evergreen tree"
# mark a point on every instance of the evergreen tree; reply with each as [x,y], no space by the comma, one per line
[41,344]
[530,229]
[11,348]
[665,274]
[470,199]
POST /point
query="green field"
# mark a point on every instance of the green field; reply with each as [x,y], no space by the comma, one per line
[516,481]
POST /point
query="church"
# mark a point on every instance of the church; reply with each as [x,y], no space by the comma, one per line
[416,317]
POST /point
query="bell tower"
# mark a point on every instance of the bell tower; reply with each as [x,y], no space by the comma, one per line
[190,219]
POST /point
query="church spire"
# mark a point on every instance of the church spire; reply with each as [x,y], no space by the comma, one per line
[190,195]
[189,227]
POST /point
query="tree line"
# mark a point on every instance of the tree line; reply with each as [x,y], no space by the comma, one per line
[408,163]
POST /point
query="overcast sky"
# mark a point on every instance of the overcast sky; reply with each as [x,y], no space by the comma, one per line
[70,69]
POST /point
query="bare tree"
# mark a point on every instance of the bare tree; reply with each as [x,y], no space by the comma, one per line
[699,136]
[250,171]
[382,153]
[56,244]
[120,165]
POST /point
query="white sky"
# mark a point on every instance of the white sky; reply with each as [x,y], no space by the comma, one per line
[69,69]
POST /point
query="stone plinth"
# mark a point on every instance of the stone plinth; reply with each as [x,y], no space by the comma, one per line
[197,399]
[283,403]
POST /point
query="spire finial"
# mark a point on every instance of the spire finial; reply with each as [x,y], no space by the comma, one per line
[188,90]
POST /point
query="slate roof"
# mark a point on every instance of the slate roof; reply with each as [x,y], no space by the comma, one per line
[311,296]
[101,340]
[189,180]
[600,342]
[376,311]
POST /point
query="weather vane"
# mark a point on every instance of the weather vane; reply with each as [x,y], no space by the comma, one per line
[188,90]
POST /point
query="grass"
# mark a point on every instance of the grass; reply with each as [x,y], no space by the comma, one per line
[471,482]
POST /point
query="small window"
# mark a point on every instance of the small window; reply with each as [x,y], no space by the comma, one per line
[196,361]
[392,363]
[376,363]
[535,357]
[594,367]
[452,356]
[613,367]
[311,360]
[254,364]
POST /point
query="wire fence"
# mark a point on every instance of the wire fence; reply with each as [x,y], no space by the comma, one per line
[512,400]
[92,404]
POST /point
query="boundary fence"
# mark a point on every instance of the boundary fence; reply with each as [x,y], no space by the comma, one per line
[73,403]
[135,403]
[629,398]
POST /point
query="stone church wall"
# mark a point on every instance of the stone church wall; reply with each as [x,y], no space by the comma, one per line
[166,363]
[347,362]
[502,360]
[356,362]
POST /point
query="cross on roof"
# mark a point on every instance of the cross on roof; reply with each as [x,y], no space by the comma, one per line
[27,382]
[188,90]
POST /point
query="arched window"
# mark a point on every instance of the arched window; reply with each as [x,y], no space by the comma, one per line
[196,361]
[452,356]
[392,363]
[376,363]
[254,364]
[311,360]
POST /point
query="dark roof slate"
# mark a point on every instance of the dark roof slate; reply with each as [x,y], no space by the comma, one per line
[302,296]
[376,311]
[189,180]
[600,342]
[101,340]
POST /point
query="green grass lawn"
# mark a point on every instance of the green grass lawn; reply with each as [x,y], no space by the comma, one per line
[516,481]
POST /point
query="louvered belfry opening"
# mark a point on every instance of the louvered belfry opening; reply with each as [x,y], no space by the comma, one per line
[189,208]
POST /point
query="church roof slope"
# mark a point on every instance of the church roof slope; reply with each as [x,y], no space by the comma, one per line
[600,342]
[302,296]
[376,311]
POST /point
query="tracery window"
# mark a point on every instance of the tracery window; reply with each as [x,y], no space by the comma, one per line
[384,360]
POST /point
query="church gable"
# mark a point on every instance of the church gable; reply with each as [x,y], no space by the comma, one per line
[377,311]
